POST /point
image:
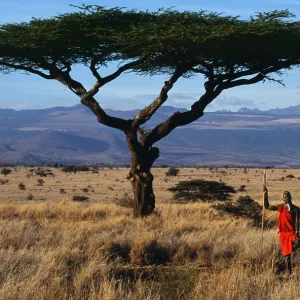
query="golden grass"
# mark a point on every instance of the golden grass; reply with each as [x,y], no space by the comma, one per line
[59,249]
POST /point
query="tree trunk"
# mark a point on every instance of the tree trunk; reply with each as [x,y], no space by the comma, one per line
[142,159]
[141,180]
[144,199]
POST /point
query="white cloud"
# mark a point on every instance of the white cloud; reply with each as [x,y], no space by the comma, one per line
[233,102]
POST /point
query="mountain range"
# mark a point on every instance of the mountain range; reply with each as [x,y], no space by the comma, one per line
[73,135]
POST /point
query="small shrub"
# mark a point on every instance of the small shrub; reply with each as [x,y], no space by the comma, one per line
[2,182]
[6,171]
[21,186]
[78,198]
[40,182]
[290,176]
[62,191]
[85,190]
[75,169]
[172,171]
[69,169]
[30,197]
[95,170]
[244,206]
[281,179]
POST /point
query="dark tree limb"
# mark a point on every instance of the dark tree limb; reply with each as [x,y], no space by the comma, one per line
[145,114]
[197,109]
[101,81]
[89,101]
[239,82]
[27,69]
[94,69]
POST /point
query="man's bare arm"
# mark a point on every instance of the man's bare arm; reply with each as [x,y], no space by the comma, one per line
[266,201]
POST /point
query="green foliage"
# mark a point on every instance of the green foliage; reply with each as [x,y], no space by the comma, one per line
[244,206]
[166,38]
[201,190]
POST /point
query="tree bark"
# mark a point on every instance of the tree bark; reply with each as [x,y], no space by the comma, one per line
[141,178]
[144,199]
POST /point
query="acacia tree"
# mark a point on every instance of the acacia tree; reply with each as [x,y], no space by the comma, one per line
[227,51]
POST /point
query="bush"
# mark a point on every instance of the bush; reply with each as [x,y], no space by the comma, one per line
[69,169]
[74,169]
[172,172]
[290,176]
[201,190]
[95,170]
[6,171]
[244,206]
[78,198]
[62,191]
[43,172]
[40,182]
[30,197]
[21,186]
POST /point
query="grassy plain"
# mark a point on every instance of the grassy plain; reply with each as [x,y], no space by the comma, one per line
[54,248]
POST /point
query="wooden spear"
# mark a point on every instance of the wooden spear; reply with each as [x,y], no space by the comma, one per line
[263,211]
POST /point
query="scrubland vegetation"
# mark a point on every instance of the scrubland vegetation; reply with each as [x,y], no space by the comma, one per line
[56,248]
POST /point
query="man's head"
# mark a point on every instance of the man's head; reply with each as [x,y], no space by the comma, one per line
[287,197]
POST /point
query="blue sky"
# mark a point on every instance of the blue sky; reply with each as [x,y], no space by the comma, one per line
[19,91]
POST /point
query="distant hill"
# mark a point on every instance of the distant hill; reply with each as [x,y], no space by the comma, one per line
[73,135]
[291,110]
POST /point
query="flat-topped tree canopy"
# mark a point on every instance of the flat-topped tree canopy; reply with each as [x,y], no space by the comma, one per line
[200,42]
[226,50]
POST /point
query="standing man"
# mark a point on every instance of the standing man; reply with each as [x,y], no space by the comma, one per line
[288,225]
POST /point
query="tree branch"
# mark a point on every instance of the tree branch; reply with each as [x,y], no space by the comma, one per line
[180,119]
[27,69]
[197,109]
[275,80]
[94,69]
[101,81]
[230,84]
[145,114]
[90,102]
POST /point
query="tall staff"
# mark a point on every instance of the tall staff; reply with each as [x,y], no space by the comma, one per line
[263,211]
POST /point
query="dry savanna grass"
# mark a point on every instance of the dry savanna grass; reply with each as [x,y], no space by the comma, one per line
[52,247]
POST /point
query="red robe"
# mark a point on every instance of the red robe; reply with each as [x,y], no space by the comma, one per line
[286,228]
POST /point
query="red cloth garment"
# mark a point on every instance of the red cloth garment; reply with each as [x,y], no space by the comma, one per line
[286,229]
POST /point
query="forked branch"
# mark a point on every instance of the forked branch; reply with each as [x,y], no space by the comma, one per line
[145,114]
